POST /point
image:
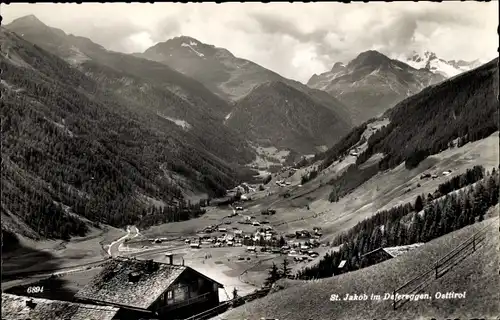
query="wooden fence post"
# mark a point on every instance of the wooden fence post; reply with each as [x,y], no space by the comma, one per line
[436,268]
[474,243]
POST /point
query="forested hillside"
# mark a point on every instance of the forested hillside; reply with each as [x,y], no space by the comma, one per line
[464,108]
[277,114]
[71,149]
[460,110]
[443,212]
[150,89]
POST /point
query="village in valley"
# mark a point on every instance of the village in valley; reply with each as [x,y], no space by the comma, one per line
[239,237]
[275,167]
[232,254]
[236,258]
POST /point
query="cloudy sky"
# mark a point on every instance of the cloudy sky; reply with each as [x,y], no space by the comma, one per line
[293,39]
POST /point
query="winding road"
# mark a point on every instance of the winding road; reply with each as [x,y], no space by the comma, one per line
[113,250]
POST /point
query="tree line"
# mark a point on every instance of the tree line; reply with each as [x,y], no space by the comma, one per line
[181,212]
[278,243]
[339,150]
[421,221]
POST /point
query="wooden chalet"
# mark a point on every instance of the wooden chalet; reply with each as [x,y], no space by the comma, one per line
[149,289]
[382,254]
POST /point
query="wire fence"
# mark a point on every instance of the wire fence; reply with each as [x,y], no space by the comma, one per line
[440,267]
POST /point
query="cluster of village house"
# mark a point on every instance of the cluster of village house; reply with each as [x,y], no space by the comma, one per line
[126,289]
[265,237]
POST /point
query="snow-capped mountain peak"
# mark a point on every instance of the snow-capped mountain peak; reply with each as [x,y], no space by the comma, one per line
[430,61]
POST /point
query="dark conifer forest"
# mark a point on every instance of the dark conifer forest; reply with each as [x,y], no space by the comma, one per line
[73,156]
[459,202]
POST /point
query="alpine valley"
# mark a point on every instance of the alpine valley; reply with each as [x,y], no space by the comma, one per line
[125,176]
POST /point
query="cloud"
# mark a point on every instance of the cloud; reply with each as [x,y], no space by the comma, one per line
[293,39]
[117,36]
[278,25]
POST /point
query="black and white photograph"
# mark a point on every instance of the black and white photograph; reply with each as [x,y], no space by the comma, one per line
[250,161]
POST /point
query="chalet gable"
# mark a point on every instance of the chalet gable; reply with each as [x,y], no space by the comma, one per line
[393,252]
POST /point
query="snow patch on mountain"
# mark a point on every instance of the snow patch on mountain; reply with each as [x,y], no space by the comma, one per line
[190,47]
[430,61]
[398,67]
[181,123]
[226,118]
[375,72]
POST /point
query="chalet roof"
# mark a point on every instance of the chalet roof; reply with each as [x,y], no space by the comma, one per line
[113,286]
[16,308]
[373,251]
[399,250]
[395,251]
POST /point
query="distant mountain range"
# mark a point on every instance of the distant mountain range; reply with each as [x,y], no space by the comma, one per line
[256,92]
[217,68]
[372,83]
[452,113]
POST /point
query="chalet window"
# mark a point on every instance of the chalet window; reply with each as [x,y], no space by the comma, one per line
[169,294]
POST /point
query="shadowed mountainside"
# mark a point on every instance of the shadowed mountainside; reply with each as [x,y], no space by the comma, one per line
[75,152]
[372,83]
[279,115]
